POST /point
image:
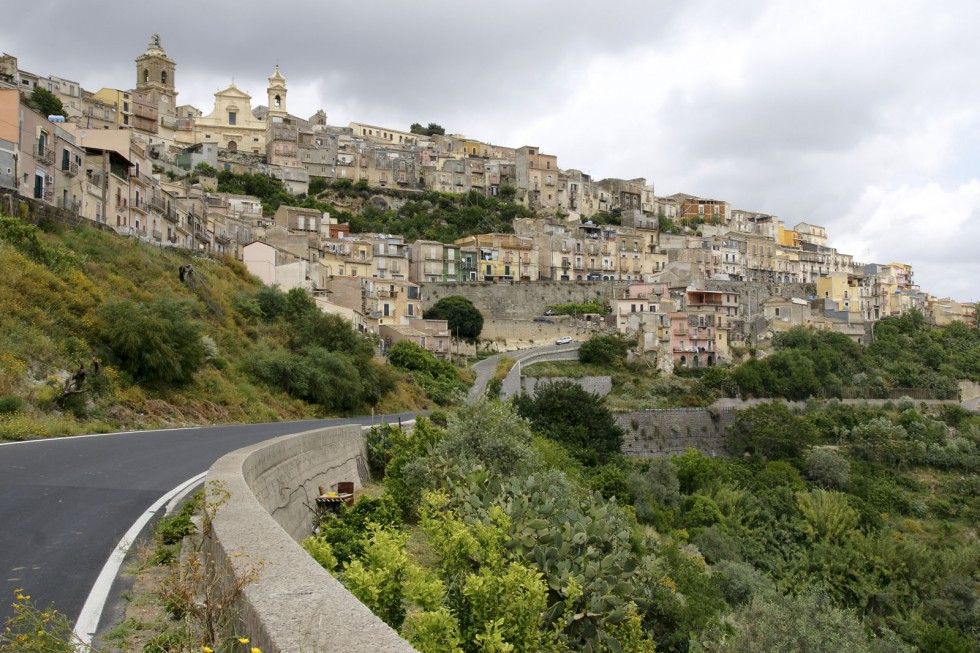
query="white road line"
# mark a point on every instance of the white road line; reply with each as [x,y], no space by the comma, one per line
[88,620]
[94,435]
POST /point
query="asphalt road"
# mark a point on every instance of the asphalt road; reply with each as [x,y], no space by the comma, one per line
[65,503]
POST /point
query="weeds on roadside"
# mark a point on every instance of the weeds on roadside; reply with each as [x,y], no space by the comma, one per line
[201,601]
[32,629]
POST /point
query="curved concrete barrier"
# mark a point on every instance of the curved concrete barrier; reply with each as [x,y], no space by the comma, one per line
[294,605]
[512,384]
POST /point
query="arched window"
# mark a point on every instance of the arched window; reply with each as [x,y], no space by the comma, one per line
[232,145]
[163,76]
[146,75]
[278,102]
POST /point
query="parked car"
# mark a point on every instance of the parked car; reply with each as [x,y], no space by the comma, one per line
[544,319]
[564,340]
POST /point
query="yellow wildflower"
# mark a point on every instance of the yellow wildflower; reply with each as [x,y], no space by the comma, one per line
[256,649]
[243,640]
[207,649]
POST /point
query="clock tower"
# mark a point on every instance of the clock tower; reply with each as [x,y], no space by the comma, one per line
[155,77]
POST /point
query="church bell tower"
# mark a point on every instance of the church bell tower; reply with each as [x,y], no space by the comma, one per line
[155,77]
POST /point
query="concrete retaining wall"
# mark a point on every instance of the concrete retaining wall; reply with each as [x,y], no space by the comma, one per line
[512,384]
[662,433]
[295,604]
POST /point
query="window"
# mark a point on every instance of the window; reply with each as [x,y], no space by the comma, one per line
[232,118]
[163,77]
[146,75]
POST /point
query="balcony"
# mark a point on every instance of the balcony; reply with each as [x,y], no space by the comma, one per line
[170,215]
[157,236]
[71,169]
[44,155]
[222,239]
[157,204]
[201,235]
[140,177]
[72,205]
[140,205]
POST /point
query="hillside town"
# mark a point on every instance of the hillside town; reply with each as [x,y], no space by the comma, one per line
[732,277]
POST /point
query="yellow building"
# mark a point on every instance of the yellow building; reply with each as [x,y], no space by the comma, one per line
[788,237]
[121,100]
[503,257]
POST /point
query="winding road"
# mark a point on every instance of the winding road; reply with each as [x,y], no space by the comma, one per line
[66,502]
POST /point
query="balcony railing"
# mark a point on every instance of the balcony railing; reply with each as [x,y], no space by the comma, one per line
[157,236]
[70,169]
[72,205]
[44,155]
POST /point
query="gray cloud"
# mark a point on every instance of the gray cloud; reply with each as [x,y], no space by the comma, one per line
[835,113]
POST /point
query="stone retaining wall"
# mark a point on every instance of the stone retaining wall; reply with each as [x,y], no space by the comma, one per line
[662,433]
[600,385]
[295,604]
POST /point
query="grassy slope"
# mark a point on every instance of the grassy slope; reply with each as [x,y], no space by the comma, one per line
[49,322]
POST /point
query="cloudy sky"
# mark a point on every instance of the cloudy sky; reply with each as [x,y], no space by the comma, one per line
[863,117]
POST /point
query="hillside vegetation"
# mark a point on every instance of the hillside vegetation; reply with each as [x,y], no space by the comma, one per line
[99,332]
[841,528]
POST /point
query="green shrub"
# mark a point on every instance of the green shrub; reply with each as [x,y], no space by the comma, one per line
[604,350]
[828,469]
[11,404]
[347,531]
[159,344]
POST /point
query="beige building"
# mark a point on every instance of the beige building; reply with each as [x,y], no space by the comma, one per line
[345,257]
[97,114]
[382,302]
[232,124]
[432,261]
[431,335]
[38,158]
[383,135]
[537,178]
[502,257]
[575,194]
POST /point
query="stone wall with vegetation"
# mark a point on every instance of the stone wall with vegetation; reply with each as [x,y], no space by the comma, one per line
[600,385]
[662,433]
[294,604]
[522,299]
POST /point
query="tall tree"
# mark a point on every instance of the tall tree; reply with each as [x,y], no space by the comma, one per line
[46,102]
[465,319]
[567,412]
